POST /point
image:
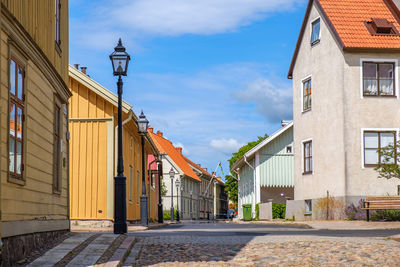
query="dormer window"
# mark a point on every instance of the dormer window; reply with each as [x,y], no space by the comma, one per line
[381,27]
[315,30]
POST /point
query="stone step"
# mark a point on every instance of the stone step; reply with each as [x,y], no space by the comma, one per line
[121,253]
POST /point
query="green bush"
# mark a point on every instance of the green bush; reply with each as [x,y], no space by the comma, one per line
[385,215]
[257,212]
[278,211]
[167,214]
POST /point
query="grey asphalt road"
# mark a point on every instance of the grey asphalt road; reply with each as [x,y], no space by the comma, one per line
[252,230]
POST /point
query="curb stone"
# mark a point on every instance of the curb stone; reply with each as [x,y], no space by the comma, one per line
[121,253]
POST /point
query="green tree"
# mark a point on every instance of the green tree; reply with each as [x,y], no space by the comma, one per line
[390,158]
[231,183]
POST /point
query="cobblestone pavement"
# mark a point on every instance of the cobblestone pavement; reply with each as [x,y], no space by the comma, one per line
[243,246]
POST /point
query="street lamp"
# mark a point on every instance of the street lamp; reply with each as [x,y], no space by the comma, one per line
[177,184]
[120,59]
[142,125]
[172,176]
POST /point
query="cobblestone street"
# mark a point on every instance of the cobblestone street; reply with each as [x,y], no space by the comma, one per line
[232,245]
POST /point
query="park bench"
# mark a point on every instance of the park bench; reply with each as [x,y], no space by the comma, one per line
[381,203]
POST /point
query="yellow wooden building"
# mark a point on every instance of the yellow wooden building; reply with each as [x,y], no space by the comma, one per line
[93,154]
[33,124]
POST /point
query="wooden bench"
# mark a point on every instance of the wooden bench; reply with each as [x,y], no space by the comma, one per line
[381,203]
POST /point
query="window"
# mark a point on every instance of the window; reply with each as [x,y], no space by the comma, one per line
[57,28]
[17,117]
[380,26]
[378,79]
[307,95]
[130,183]
[308,206]
[374,141]
[289,149]
[315,26]
[57,148]
[308,162]
[137,187]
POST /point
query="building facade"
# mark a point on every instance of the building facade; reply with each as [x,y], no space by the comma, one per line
[265,172]
[33,124]
[93,154]
[350,71]
[184,195]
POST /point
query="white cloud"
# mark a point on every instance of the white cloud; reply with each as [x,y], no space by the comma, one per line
[226,146]
[177,17]
[273,101]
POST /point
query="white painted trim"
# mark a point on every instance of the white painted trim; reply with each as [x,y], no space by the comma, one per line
[302,155]
[311,23]
[257,178]
[396,73]
[302,93]
[378,130]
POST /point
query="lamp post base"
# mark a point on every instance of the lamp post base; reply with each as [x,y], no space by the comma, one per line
[172,213]
[144,218]
[160,214]
[177,215]
[120,226]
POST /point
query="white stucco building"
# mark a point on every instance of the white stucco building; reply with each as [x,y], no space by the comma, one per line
[346,61]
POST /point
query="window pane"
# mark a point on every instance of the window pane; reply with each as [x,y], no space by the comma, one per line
[311,164]
[386,71]
[386,87]
[19,123]
[306,165]
[11,167]
[315,31]
[19,158]
[371,156]
[12,77]
[387,139]
[371,87]
[371,140]
[20,83]
[12,119]
[370,70]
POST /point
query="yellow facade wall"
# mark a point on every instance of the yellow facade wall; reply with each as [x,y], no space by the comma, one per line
[91,174]
[37,18]
[34,199]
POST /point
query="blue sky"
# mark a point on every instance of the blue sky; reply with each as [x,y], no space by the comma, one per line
[210,74]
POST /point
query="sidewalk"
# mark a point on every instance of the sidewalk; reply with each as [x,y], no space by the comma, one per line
[110,229]
[329,225]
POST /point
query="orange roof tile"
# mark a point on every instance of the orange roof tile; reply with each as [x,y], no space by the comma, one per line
[348,17]
[197,166]
[165,146]
[346,20]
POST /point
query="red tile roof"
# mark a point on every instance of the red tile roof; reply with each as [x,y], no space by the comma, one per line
[197,166]
[346,20]
[165,146]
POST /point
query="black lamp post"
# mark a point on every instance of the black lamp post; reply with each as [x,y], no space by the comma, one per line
[172,175]
[120,59]
[160,205]
[177,184]
[144,218]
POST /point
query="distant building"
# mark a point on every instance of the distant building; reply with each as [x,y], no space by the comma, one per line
[93,148]
[34,125]
[187,195]
[345,102]
[265,173]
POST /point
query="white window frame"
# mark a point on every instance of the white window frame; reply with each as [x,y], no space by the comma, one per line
[374,130]
[311,30]
[302,156]
[309,77]
[378,60]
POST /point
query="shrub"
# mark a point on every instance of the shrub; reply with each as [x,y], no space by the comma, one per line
[257,212]
[386,215]
[278,211]
[353,212]
[167,214]
[329,208]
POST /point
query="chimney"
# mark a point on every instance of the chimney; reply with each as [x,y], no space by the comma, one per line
[159,133]
[284,123]
[83,69]
[76,66]
[205,169]
[179,150]
[150,129]
[213,173]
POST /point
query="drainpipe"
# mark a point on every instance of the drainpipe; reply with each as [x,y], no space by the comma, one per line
[254,187]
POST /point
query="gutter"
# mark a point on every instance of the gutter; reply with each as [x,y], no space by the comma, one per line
[245,160]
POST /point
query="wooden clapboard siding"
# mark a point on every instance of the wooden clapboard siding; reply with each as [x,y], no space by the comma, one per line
[37,17]
[35,199]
